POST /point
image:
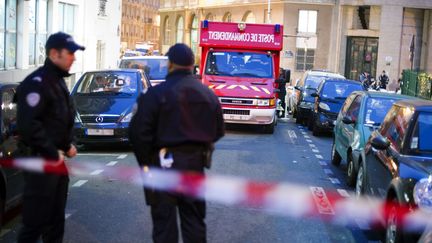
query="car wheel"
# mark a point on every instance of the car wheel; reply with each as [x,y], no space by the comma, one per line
[335,157]
[360,181]
[316,130]
[393,226]
[311,121]
[351,173]
[269,129]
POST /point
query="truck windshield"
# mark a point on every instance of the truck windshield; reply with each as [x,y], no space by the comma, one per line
[239,64]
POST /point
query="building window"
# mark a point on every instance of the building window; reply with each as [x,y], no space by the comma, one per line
[305,59]
[67,18]
[249,17]
[180,27]
[227,17]
[38,20]
[167,32]
[8,36]
[307,22]
[102,8]
[194,34]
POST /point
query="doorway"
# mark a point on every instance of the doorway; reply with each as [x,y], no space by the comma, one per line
[362,55]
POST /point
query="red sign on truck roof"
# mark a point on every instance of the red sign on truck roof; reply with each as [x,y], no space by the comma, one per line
[242,35]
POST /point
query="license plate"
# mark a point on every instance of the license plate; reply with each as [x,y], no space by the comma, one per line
[235,117]
[100,132]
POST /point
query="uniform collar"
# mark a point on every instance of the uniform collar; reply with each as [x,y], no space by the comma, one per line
[54,68]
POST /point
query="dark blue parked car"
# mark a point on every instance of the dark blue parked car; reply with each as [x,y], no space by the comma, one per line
[104,102]
[329,98]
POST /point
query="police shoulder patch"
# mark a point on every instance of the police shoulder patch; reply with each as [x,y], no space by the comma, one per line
[33,99]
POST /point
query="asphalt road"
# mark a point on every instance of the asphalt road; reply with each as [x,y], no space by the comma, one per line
[109,210]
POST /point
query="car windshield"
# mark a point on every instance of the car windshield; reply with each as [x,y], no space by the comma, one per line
[108,83]
[239,64]
[154,68]
[421,141]
[339,90]
[376,110]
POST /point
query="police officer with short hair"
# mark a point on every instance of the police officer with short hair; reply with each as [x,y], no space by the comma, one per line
[45,117]
[183,118]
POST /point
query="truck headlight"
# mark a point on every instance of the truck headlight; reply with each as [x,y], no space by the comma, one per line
[263,102]
[423,193]
[127,118]
[324,106]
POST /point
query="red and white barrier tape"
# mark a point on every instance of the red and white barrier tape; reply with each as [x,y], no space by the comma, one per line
[277,198]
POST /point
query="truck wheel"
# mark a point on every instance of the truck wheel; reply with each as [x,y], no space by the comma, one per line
[269,129]
[316,131]
[311,121]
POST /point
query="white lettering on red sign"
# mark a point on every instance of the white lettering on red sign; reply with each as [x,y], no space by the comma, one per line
[241,37]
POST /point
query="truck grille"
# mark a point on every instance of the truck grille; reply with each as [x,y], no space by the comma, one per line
[95,119]
[231,101]
[236,112]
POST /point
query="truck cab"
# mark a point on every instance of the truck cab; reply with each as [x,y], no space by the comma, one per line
[240,63]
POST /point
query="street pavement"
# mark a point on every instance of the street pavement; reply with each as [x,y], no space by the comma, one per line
[109,210]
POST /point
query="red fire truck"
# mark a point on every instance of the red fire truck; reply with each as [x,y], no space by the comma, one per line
[240,62]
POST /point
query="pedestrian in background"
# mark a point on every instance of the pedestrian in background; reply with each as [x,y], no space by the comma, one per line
[45,117]
[174,127]
[383,80]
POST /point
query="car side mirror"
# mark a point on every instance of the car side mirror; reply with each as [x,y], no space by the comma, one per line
[315,95]
[348,120]
[379,142]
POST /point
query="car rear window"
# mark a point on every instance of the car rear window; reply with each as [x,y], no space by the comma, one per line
[154,68]
[108,83]
[336,90]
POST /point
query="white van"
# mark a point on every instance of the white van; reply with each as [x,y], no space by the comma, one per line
[155,67]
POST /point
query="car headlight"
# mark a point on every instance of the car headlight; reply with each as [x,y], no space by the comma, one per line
[263,102]
[324,106]
[127,118]
[423,194]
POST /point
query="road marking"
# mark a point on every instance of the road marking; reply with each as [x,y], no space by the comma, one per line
[294,161]
[122,156]
[323,163]
[306,136]
[112,163]
[334,181]
[312,145]
[304,133]
[292,134]
[321,200]
[67,215]
[96,172]
[319,156]
[315,150]
[328,171]
[343,193]
[79,183]
[308,140]
[96,154]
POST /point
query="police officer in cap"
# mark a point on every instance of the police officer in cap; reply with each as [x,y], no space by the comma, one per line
[174,127]
[45,117]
